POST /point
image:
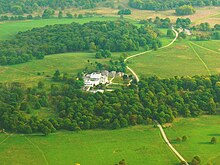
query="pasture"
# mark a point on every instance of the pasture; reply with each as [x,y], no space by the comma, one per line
[199,132]
[10,28]
[137,145]
[183,58]
[70,63]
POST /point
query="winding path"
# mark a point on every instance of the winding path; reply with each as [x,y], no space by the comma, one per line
[135,55]
[158,125]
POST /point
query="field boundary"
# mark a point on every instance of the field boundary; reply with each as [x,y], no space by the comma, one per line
[207,69]
[36,146]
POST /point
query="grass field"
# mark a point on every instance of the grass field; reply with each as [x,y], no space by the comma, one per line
[10,28]
[199,132]
[70,63]
[137,145]
[183,58]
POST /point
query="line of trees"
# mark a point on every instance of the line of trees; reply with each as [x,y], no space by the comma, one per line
[19,7]
[160,99]
[169,4]
[113,36]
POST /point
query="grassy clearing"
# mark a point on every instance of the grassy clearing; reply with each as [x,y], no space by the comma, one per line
[9,29]
[137,145]
[199,132]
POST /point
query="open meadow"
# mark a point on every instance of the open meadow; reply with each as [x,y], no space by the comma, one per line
[199,132]
[10,28]
[183,58]
[137,145]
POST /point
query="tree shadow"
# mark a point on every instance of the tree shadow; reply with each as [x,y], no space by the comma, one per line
[204,143]
[214,134]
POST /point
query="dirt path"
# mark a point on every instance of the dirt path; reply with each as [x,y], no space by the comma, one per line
[168,143]
[158,125]
[206,67]
[135,55]
[38,148]
[204,48]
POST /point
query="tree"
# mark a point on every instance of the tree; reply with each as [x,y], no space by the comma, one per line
[184,138]
[69,15]
[48,13]
[60,15]
[170,33]
[56,75]
[45,130]
[178,139]
[40,85]
[196,160]
[17,10]
[214,140]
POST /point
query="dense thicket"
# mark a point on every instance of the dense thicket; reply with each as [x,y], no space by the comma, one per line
[169,4]
[112,35]
[160,99]
[29,6]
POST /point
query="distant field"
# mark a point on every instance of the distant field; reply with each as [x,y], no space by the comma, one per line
[10,28]
[137,145]
[181,59]
[199,132]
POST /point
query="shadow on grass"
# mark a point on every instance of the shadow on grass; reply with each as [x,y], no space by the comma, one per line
[214,134]
[204,143]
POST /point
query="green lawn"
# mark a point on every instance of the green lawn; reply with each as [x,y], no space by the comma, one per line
[137,145]
[199,132]
[181,59]
[10,28]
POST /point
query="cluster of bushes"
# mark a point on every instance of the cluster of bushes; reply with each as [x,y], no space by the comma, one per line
[185,10]
[156,99]
[107,35]
[103,54]
[169,4]
[124,12]
[18,7]
[183,22]
[204,31]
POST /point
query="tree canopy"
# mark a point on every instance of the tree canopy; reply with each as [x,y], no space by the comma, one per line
[29,6]
[169,4]
[111,36]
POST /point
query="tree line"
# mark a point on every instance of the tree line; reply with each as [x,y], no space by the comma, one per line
[169,4]
[74,109]
[19,7]
[111,36]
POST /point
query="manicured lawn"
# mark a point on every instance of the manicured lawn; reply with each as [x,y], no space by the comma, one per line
[199,132]
[137,145]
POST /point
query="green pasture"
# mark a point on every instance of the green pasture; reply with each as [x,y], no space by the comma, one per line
[70,63]
[183,58]
[137,145]
[10,28]
[199,132]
